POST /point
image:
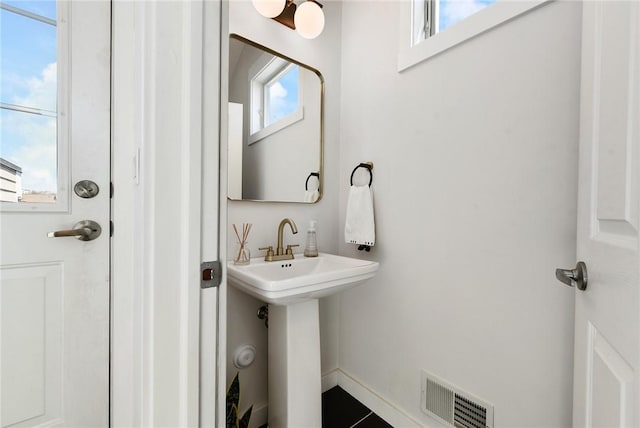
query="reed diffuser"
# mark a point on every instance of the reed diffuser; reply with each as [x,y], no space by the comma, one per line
[243,256]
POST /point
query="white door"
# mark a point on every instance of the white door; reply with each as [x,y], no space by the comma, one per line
[607,333]
[54,292]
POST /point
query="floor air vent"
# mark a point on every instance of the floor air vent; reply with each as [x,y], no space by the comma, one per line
[453,406]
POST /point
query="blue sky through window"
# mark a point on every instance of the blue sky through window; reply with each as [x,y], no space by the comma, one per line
[28,78]
[46,8]
[283,95]
[454,11]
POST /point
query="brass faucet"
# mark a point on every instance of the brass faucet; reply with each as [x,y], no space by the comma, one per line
[281,253]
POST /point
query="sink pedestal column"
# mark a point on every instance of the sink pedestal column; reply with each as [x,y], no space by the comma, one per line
[295,390]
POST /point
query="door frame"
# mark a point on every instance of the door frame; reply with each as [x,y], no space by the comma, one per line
[157,169]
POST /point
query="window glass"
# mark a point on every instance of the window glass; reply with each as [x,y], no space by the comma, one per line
[28,101]
[433,16]
[451,12]
[281,95]
[44,8]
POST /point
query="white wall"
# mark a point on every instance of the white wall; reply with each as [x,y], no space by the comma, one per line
[475,197]
[323,54]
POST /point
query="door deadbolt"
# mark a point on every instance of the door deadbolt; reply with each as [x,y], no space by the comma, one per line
[86,189]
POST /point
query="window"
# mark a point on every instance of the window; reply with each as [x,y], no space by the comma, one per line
[28,101]
[423,24]
[276,98]
[433,16]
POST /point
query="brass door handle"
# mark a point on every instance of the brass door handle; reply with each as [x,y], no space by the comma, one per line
[84,230]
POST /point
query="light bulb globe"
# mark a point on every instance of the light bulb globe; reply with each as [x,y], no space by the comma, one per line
[269,8]
[309,20]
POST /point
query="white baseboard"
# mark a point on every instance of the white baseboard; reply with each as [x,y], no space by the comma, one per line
[329,380]
[360,391]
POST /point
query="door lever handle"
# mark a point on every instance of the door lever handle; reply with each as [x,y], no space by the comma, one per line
[574,277]
[84,230]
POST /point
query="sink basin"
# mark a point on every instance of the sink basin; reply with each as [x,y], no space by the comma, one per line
[303,278]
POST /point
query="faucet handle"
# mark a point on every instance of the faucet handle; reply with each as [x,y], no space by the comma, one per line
[269,250]
[289,248]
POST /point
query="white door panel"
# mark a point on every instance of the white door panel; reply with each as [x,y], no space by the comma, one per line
[608,311]
[54,292]
[31,343]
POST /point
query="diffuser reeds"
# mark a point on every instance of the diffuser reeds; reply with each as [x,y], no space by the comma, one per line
[242,256]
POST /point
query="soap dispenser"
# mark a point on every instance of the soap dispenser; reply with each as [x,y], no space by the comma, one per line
[311,249]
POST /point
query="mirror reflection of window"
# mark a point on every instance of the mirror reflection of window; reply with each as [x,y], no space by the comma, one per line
[276,100]
[430,17]
[281,95]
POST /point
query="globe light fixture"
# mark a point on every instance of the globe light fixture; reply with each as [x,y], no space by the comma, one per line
[269,8]
[309,19]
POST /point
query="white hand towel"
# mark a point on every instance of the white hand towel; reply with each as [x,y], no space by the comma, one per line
[312,192]
[311,195]
[359,227]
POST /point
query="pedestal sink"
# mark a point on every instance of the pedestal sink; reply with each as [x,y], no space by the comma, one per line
[292,289]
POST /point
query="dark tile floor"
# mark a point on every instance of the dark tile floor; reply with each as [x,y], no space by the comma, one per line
[341,410]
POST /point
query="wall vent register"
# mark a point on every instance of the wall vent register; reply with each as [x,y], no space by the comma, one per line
[453,406]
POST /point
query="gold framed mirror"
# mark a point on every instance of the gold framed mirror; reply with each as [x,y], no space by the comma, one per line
[275,128]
